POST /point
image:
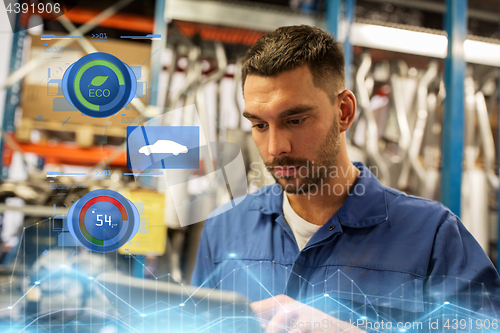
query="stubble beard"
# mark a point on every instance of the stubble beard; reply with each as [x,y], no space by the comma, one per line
[309,173]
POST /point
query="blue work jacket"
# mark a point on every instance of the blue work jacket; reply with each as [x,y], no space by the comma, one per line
[382,249]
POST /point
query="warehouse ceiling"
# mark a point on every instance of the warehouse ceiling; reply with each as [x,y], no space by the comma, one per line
[484,15]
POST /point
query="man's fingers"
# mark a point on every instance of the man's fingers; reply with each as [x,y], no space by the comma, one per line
[282,314]
[281,321]
[266,308]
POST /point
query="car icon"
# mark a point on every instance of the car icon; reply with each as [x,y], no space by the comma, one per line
[163,147]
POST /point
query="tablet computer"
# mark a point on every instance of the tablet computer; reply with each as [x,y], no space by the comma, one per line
[156,306]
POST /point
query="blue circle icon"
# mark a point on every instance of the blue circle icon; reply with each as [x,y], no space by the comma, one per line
[99,85]
[103,220]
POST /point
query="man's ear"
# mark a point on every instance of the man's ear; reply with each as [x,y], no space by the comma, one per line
[347,104]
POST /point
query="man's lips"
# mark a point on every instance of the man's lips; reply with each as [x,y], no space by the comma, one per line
[284,171]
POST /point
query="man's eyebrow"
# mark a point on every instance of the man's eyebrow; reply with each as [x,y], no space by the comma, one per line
[248,115]
[297,110]
[287,113]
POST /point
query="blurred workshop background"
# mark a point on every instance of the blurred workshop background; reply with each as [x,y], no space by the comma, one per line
[425,74]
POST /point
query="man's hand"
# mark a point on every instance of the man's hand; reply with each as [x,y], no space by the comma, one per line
[284,314]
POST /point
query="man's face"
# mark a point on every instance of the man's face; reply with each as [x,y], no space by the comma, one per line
[295,127]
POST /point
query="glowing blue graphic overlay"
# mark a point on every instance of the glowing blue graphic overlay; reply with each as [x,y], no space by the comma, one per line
[163,147]
[58,173]
[103,220]
[64,273]
[149,36]
[99,93]
[51,37]
[99,85]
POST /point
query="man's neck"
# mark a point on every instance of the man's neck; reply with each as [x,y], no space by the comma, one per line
[319,206]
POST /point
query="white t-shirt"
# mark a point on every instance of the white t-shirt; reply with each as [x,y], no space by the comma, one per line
[302,230]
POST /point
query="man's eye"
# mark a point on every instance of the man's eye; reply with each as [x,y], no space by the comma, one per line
[259,126]
[296,121]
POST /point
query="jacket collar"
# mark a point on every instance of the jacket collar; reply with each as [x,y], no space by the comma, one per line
[364,207]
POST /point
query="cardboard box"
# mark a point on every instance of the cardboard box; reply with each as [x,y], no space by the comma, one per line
[42,99]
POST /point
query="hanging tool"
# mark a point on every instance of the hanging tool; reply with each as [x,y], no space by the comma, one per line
[170,72]
[398,93]
[426,185]
[210,166]
[488,143]
[193,73]
[371,142]
[474,208]
[216,76]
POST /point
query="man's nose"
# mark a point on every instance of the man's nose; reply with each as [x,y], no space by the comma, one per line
[279,144]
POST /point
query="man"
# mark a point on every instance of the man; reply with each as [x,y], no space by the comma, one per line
[337,239]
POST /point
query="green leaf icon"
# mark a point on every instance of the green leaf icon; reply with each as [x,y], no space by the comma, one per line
[98,81]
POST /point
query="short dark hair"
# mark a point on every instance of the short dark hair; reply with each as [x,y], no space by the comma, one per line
[290,47]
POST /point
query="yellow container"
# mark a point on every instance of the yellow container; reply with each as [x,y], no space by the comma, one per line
[151,238]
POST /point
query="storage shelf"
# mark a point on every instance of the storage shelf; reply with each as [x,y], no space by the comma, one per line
[237,14]
[63,153]
[35,210]
[372,34]
[210,32]
[121,21]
